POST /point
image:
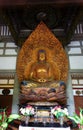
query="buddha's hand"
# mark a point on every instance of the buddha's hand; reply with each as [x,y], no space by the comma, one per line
[42,80]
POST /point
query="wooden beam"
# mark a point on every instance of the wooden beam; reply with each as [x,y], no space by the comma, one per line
[27,2]
[75,21]
[8,22]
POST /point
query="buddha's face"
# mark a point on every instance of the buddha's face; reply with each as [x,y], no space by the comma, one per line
[42,56]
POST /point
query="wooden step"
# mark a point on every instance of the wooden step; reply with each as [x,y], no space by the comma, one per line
[14,125]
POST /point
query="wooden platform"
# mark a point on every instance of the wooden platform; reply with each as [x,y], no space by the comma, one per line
[15,125]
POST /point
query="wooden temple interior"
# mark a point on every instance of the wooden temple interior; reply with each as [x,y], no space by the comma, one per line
[42,33]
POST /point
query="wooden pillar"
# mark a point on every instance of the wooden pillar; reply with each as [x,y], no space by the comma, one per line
[15,107]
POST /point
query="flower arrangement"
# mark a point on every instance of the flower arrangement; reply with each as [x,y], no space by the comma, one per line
[58,111]
[5,120]
[27,111]
[78,119]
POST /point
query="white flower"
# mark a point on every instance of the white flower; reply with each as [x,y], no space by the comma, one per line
[27,111]
[22,110]
[66,111]
[52,111]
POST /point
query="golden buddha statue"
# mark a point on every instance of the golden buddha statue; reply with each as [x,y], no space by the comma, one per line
[41,71]
[42,85]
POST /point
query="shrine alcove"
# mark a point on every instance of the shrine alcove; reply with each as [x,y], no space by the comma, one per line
[42,68]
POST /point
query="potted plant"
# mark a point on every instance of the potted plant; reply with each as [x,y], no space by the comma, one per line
[5,120]
[78,119]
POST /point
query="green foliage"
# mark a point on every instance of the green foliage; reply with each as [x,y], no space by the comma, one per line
[78,119]
[4,119]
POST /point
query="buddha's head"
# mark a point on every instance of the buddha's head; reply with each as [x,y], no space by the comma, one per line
[41,55]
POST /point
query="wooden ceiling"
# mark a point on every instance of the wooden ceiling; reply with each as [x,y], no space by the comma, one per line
[28,2]
[22,17]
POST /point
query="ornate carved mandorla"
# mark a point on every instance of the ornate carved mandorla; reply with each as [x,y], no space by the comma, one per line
[43,75]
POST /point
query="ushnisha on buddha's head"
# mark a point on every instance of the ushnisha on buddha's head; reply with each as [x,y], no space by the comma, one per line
[41,55]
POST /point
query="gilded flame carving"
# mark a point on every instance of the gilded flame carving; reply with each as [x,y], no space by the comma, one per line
[42,38]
